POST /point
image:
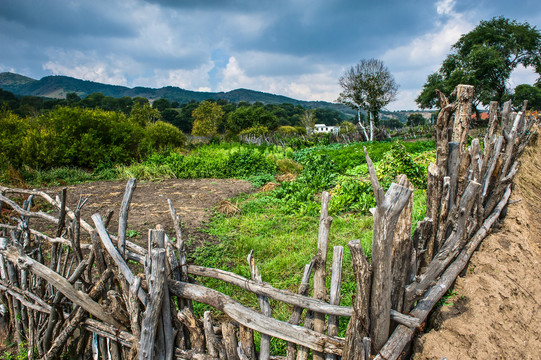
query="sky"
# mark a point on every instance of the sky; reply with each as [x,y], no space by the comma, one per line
[296,48]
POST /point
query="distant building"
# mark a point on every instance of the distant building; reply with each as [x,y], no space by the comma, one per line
[322,128]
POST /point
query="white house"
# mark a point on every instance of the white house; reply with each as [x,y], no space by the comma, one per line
[322,128]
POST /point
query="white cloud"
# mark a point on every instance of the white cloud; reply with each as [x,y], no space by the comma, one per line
[195,79]
[318,85]
[87,66]
[522,75]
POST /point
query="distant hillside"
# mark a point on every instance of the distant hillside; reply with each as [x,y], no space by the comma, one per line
[58,86]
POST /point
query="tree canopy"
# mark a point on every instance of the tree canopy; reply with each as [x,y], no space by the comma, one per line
[207,117]
[370,86]
[485,58]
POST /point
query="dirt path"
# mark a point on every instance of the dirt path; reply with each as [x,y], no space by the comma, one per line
[192,199]
[496,309]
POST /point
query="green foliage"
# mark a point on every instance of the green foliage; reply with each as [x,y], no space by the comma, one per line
[530,93]
[415,119]
[144,114]
[12,130]
[352,195]
[397,161]
[347,127]
[288,166]
[161,135]
[69,137]
[207,117]
[247,162]
[246,117]
[255,131]
[485,58]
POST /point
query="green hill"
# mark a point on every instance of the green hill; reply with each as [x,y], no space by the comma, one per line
[57,87]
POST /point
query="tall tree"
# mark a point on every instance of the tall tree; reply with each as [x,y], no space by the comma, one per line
[369,86]
[207,117]
[485,58]
[308,120]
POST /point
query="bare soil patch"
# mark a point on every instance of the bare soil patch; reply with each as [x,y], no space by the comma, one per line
[496,311]
[193,200]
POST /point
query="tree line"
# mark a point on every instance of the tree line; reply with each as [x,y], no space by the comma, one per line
[236,117]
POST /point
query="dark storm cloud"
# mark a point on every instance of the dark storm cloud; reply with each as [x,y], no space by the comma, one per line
[59,18]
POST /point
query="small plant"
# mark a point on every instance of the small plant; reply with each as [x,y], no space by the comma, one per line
[132,233]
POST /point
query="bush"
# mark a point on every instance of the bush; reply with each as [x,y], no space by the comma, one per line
[12,131]
[247,162]
[80,137]
[162,135]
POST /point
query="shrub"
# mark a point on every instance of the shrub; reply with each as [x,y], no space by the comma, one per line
[162,135]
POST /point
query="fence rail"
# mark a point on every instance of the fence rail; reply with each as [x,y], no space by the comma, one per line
[67,291]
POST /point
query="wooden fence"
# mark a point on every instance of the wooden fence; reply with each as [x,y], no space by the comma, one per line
[65,293]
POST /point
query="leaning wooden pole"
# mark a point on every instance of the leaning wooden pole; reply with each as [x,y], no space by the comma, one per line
[388,209]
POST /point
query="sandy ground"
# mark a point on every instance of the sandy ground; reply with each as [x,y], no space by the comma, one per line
[495,311]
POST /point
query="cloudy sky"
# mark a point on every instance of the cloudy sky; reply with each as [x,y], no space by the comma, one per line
[297,48]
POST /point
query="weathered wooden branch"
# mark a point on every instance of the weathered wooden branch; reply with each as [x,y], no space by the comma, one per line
[12,254]
[403,335]
[80,314]
[388,209]
[264,346]
[123,219]
[359,324]
[267,290]
[153,310]
[320,291]
[256,321]
[115,255]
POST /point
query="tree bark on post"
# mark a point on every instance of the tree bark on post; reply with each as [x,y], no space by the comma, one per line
[321,263]
[388,209]
[360,320]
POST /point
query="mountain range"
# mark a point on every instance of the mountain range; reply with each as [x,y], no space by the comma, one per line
[58,86]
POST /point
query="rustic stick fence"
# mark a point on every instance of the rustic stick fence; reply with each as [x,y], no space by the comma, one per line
[67,294]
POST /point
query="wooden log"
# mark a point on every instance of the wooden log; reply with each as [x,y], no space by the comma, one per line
[452,246]
[296,313]
[40,214]
[402,248]
[267,290]
[320,290]
[158,237]
[420,238]
[453,165]
[61,284]
[488,175]
[55,310]
[115,255]
[230,340]
[134,309]
[264,345]
[246,349]
[442,221]
[461,125]
[79,315]
[123,219]
[336,283]
[153,310]
[433,204]
[256,321]
[197,337]
[388,209]
[62,213]
[403,335]
[476,161]
[214,346]
[359,324]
